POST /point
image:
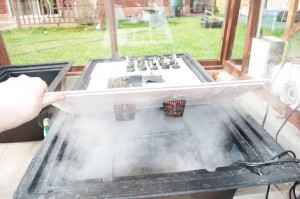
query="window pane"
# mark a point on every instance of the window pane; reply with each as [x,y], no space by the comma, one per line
[271,55]
[274,18]
[168,26]
[76,38]
[274,23]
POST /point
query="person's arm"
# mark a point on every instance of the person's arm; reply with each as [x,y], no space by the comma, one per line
[21,99]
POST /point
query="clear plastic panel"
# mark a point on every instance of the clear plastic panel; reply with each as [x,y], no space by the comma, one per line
[160,27]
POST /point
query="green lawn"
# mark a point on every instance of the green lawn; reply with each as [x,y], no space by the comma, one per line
[36,45]
[82,43]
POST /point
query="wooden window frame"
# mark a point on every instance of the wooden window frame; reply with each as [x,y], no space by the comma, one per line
[238,67]
[230,24]
[4,58]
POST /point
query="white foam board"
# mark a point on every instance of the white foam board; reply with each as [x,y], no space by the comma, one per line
[172,77]
[94,101]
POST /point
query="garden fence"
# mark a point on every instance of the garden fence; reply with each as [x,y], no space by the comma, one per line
[39,12]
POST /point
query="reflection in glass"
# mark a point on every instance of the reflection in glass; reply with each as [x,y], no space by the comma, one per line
[159,27]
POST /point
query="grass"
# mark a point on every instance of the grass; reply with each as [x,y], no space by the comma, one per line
[36,45]
[178,35]
[82,43]
[129,24]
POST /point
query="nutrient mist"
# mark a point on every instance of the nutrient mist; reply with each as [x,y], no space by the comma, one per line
[102,147]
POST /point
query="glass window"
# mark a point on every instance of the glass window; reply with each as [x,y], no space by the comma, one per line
[80,36]
[169,26]
[274,24]
[57,30]
[274,18]
[272,56]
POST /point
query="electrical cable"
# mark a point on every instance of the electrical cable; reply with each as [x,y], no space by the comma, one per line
[283,62]
[292,191]
[285,121]
[269,94]
[274,160]
[266,115]
[267,192]
[283,153]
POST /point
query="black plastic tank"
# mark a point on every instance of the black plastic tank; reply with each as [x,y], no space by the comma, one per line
[52,74]
[201,153]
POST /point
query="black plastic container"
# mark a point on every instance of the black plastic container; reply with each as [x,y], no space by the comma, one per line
[47,175]
[52,74]
[58,168]
[207,22]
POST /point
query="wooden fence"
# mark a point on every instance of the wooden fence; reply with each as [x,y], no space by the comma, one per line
[39,12]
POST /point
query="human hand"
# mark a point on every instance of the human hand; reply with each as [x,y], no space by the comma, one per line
[21,99]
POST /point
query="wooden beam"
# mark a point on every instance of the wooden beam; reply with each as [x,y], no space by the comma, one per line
[230,24]
[216,67]
[111,17]
[292,31]
[209,62]
[4,58]
[252,25]
[16,13]
[235,70]
[232,68]
[291,16]
[75,71]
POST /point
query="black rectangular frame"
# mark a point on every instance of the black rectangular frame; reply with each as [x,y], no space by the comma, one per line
[222,182]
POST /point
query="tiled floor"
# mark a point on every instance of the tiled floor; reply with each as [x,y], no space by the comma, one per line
[259,193]
[14,160]
[15,157]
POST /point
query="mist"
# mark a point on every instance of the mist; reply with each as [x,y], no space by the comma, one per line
[101,147]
